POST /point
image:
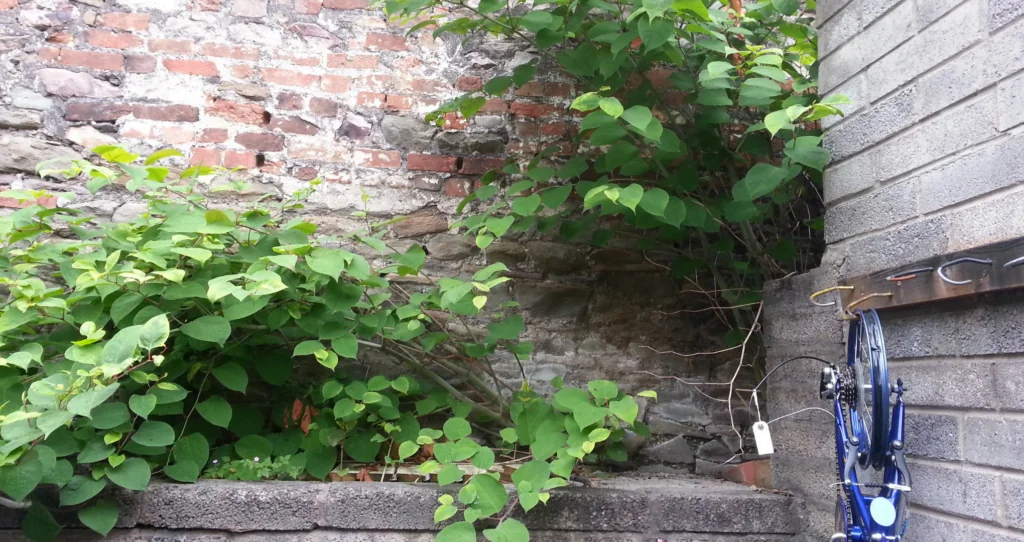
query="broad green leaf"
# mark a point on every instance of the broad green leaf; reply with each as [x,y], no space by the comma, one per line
[153,433]
[254,447]
[448,474]
[508,329]
[526,206]
[638,116]
[611,106]
[216,410]
[776,121]
[587,415]
[232,376]
[80,489]
[694,6]
[212,329]
[327,261]
[346,346]
[760,180]
[132,474]
[625,409]
[100,517]
[508,530]
[109,415]
[193,448]
[655,33]
[407,449]
[631,195]
[82,404]
[771,72]
[154,332]
[491,495]
[142,404]
[462,531]
[18,480]
[186,472]
[807,151]
[457,428]
[655,201]
[554,197]
[603,389]
[122,345]
[124,305]
[786,7]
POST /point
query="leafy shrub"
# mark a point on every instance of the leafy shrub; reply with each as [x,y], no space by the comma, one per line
[191,332]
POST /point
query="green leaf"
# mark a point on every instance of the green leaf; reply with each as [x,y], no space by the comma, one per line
[586,102]
[211,329]
[254,446]
[760,180]
[498,85]
[587,415]
[232,376]
[186,472]
[611,106]
[631,195]
[100,517]
[603,389]
[80,489]
[306,348]
[17,481]
[655,201]
[490,6]
[462,531]
[771,72]
[638,116]
[361,447]
[554,197]
[457,428]
[508,530]
[132,474]
[152,433]
[694,6]
[491,495]
[776,121]
[448,474]
[122,345]
[509,434]
[740,211]
[509,328]
[625,409]
[142,404]
[483,458]
[346,346]
[807,151]
[109,415]
[198,254]
[407,449]
[83,403]
[216,410]
[526,206]
[655,33]
[568,399]
[157,156]
[786,7]
[154,332]
[124,305]
[327,261]
[193,448]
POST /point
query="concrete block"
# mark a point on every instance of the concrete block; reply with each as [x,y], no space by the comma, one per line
[955,384]
[839,29]
[993,328]
[991,61]
[986,169]
[1013,499]
[933,435]
[879,209]
[235,506]
[802,325]
[956,490]
[916,333]
[1010,94]
[828,8]
[991,535]
[380,506]
[1009,384]
[990,221]
[906,244]
[850,177]
[792,292]
[808,434]
[878,122]
[931,46]
[878,39]
[927,527]
[955,130]
[1002,13]
[809,478]
[873,9]
[854,89]
[935,10]
[994,441]
[710,512]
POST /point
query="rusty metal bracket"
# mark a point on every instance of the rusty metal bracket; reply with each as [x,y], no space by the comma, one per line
[999,267]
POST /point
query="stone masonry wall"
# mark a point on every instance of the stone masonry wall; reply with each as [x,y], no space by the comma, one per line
[289,90]
[928,161]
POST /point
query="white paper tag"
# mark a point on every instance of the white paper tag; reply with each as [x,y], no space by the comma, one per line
[763,439]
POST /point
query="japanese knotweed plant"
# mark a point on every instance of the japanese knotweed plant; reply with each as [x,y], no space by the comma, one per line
[699,134]
[200,341]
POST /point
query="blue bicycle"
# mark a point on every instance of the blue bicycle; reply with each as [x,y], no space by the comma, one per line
[867,439]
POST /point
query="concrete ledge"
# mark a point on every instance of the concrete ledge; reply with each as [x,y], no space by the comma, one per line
[626,509]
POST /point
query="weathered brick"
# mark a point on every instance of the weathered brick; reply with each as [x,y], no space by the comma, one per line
[139,63]
[386,42]
[124,21]
[203,68]
[8,4]
[296,59]
[92,59]
[322,107]
[13,203]
[305,173]
[174,47]
[371,82]
[172,113]
[347,4]
[535,110]
[370,99]
[111,40]
[261,141]
[290,101]
[398,102]
[933,45]
[427,86]
[377,158]
[175,135]
[137,129]
[432,162]
[242,159]
[96,111]
[249,8]
[293,125]
[878,209]
[467,83]
[955,490]
[239,112]
[213,135]
[242,71]
[204,156]
[455,187]
[350,61]
[839,29]
[956,129]
[989,168]
[494,106]
[335,84]
[479,166]
[288,78]
[206,5]
[225,50]
[868,46]
[321,149]
[454,121]
[47,54]
[994,59]
[308,7]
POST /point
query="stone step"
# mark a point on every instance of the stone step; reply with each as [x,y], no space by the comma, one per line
[631,508]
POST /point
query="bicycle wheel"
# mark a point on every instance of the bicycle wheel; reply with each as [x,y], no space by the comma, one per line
[871,401]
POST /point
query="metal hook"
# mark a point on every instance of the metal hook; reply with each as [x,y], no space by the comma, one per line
[1014,263]
[825,291]
[907,275]
[957,262]
[854,303]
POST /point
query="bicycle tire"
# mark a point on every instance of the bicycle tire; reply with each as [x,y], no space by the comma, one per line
[872,346]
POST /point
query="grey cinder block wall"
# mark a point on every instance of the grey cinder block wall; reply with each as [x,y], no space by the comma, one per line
[928,160]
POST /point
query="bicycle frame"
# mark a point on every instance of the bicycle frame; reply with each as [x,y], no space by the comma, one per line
[861,524]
